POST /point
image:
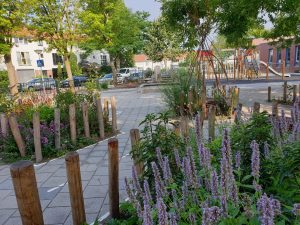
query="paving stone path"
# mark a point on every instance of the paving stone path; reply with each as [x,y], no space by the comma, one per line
[51,176]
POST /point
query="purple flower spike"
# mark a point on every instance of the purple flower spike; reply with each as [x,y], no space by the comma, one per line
[238,160]
[128,190]
[136,182]
[255,160]
[192,218]
[265,208]
[296,209]
[173,220]
[147,191]
[147,217]
[177,158]
[211,215]
[214,184]
[162,212]
[266,150]
[159,157]
[276,206]
[166,170]
[159,187]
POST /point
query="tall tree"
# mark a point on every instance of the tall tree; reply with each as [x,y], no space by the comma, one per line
[110,25]
[57,22]
[12,17]
[161,43]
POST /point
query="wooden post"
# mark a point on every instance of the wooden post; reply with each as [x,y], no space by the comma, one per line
[75,188]
[4,124]
[135,139]
[17,134]
[191,101]
[256,107]
[100,118]
[113,114]
[37,137]
[85,116]
[267,71]
[285,91]
[113,170]
[184,126]
[57,127]
[106,111]
[24,181]
[275,108]
[211,122]
[238,113]
[269,94]
[294,93]
[283,69]
[177,128]
[72,118]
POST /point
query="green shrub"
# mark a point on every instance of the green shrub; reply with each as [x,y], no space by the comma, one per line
[104,86]
[4,82]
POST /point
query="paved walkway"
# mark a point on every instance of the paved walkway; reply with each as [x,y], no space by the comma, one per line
[51,177]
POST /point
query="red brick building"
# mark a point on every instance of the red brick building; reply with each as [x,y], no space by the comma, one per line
[276,56]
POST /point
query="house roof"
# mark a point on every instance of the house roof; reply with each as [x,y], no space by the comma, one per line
[140,58]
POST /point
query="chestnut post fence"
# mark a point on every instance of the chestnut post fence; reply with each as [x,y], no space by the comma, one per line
[211,122]
[256,107]
[284,91]
[113,114]
[100,118]
[135,139]
[75,188]
[4,124]
[294,93]
[177,128]
[106,110]
[184,126]
[24,182]
[113,171]
[85,116]
[72,118]
[37,137]
[275,108]
[13,123]
[238,113]
[57,128]
[269,94]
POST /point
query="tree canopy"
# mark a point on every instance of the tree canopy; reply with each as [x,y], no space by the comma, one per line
[161,43]
[110,25]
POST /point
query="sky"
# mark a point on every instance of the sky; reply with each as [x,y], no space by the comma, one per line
[150,6]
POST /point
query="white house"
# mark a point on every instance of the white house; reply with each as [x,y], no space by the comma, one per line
[142,62]
[27,53]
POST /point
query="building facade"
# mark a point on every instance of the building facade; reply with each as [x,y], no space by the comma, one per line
[279,58]
[32,59]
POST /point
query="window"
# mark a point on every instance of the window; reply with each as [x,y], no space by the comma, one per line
[287,56]
[270,58]
[21,41]
[297,55]
[40,43]
[103,59]
[56,59]
[278,56]
[41,55]
[23,59]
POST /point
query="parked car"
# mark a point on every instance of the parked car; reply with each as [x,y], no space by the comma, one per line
[135,76]
[38,84]
[125,72]
[106,78]
[78,81]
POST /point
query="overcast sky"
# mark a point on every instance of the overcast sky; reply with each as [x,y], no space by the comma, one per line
[150,6]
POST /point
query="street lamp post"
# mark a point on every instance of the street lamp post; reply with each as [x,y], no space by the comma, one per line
[40,65]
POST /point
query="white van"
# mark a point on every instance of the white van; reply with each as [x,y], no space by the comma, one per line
[126,72]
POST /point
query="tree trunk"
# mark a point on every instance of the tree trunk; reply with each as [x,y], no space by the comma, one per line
[114,70]
[69,72]
[13,88]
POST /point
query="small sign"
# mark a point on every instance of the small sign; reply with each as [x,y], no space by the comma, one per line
[40,62]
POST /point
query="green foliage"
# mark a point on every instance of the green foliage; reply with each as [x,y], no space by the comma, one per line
[176,94]
[59,71]
[257,128]
[161,43]
[76,70]
[156,134]
[112,26]
[128,216]
[4,83]
[281,173]
[104,86]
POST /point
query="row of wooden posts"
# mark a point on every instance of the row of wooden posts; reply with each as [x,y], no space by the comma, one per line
[285,92]
[25,185]
[102,115]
